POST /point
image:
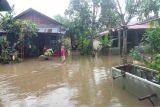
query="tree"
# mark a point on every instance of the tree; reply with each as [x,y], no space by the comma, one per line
[62,19]
[24,30]
[83,15]
[114,9]
[114,14]
[151,39]
[108,17]
[80,25]
[148,7]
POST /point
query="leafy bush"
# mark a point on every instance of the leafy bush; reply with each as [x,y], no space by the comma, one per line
[135,54]
[155,63]
[105,43]
[24,30]
[5,56]
[67,43]
[84,44]
[48,52]
[151,39]
[158,77]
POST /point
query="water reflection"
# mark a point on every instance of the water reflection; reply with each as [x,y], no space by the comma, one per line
[82,81]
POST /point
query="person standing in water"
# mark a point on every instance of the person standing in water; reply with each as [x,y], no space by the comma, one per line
[62,54]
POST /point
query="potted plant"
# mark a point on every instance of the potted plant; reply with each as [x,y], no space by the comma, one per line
[47,54]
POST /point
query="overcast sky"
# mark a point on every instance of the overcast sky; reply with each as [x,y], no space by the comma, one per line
[47,7]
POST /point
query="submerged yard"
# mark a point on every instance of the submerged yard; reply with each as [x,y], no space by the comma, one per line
[82,81]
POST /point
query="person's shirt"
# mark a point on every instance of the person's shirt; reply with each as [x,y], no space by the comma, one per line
[62,52]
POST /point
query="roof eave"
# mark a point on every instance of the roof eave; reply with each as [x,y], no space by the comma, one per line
[30,9]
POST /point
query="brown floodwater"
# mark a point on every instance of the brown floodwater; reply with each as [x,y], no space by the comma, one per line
[81,82]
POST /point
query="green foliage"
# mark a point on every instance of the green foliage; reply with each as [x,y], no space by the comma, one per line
[80,27]
[7,52]
[114,14]
[3,40]
[155,63]
[48,52]
[147,7]
[23,29]
[62,19]
[83,15]
[108,17]
[151,39]
[135,54]
[7,21]
[105,42]
[5,55]
[84,44]
[158,77]
[67,43]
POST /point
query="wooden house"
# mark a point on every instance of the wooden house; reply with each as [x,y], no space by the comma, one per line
[48,30]
[135,33]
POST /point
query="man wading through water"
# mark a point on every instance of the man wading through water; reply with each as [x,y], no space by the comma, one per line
[62,54]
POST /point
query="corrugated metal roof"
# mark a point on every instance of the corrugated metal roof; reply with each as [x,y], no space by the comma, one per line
[134,25]
[139,26]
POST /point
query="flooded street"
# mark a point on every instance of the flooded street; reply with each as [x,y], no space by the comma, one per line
[81,82]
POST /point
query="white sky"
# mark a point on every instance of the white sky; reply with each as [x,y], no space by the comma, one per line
[47,7]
